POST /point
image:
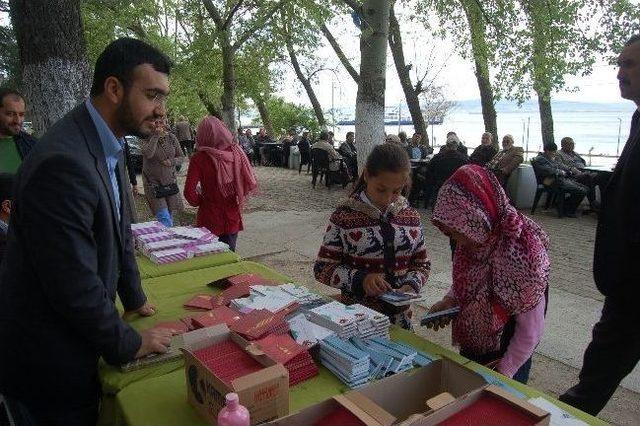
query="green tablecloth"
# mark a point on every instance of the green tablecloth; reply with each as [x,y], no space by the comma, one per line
[169,293]
[168,405]
[148,269]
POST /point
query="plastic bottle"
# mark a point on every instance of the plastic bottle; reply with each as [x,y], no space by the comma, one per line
[233,414]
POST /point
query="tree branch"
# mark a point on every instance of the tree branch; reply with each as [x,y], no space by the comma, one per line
[234,9]
[259,23]
[214,13]
[353,4]
[343,58]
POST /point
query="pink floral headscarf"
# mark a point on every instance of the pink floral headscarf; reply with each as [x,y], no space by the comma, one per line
[506,273]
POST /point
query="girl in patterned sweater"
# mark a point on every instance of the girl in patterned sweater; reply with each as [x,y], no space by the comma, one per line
[374,241]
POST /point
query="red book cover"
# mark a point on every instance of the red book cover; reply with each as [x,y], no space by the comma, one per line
[249,279]
[227,361]
[201,301]
[233,292]
[280,348]
[221,315]
[176,327]
[257,323]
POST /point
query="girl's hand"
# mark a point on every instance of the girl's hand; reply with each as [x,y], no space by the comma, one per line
[375,284]
[446,303]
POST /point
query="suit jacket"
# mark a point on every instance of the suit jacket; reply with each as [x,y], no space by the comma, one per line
[507,160]
[615,262]
[483,154]
[68,255]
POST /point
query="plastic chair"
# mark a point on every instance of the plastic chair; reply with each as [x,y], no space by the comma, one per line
[553,191]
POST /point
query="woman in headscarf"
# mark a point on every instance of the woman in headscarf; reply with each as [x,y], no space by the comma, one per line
[500,273]
[219,180]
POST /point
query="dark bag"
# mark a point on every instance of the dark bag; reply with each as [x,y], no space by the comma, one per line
[163,191]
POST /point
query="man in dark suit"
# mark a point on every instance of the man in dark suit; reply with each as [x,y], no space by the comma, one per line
[615,347]
[69,248]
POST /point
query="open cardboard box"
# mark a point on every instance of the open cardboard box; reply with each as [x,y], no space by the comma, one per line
[265,393]
[536,415]
[397,398]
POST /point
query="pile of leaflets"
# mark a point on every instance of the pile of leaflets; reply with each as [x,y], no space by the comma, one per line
[227,361]
[260,322]
[274,298]
[399,298]
[350,364]
[388,357]
[295,358]
[307,333]
[349,321]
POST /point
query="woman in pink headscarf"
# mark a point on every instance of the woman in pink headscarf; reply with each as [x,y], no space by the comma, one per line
[500,272]
[219,180]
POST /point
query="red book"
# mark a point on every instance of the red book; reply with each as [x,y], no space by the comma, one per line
[257,323]
[201,301]
[227,361]
[280,348]
[233,292]
[221,315]
[176,327]
[250,279]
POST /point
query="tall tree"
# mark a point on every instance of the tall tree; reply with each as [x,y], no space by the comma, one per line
[374,17]
[411,93]
[55,70]
[232,37]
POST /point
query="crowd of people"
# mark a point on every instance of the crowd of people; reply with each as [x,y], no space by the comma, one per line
[67,252]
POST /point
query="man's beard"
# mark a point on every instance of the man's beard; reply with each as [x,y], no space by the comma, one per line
[7,131]
[128,122]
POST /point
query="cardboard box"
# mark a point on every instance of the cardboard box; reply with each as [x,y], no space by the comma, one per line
[265,393]
[401,398]
[537,415]
[370,414]
[406,394]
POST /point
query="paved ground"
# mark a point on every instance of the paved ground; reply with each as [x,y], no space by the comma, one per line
[285,223]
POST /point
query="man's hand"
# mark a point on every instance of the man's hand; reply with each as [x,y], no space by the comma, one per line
[446,303]
[375,284]
[146,310]
[155,340]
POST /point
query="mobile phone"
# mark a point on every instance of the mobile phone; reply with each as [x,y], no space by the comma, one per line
[447,313]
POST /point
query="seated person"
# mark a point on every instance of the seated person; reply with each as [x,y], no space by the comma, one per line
[324,144]
[576,164]
[485,152]
[416,150]
[553,172]
[304,145]
[402,135]
[442,166]
[393,139]
[506,161]
[461,148]
[376,215]
[349,152]
[6,191]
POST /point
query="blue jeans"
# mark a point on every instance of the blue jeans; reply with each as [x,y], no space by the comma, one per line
[164,217]
[230,239]
[522,375]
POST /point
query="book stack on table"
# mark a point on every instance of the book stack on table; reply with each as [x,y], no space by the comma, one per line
[347,362]
[295,358]
[348,321]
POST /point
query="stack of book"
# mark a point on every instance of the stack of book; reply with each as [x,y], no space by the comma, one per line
[260,322]
[144,228]
[348,321]
[347,362]
[307,333]
[295,358]
[389,357]
[271,298]
[227,361]
[201,301]
[172,255]
[220,315]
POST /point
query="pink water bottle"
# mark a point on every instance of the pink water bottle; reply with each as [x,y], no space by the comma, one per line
[233,414]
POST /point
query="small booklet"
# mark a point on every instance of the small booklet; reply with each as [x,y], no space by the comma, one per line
[399,298]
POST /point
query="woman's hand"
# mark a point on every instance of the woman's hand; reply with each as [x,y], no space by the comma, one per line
[446,303]
[375,284]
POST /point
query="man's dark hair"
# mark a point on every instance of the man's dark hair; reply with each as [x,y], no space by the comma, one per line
[6,186]
[5,91]
[324,135]
[634,38]
[550,147]
[119,59]
[350,133]
[451,133]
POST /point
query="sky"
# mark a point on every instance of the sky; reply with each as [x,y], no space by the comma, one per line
[456,76]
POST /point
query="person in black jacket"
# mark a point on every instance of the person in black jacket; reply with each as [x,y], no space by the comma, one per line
[441,167]
[485,151]
[6,195]
[15,143]
[615,347]
[70,250]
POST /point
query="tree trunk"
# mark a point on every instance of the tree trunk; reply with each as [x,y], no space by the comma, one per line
[340,54]
[306,83]
[479,49]
[264,115]
[410,94]
[373,63]
[55,70]
[212,109]
[546,117]
[228,98]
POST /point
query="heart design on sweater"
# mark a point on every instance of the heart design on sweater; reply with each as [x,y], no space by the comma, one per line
[413,233]
[355,235]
